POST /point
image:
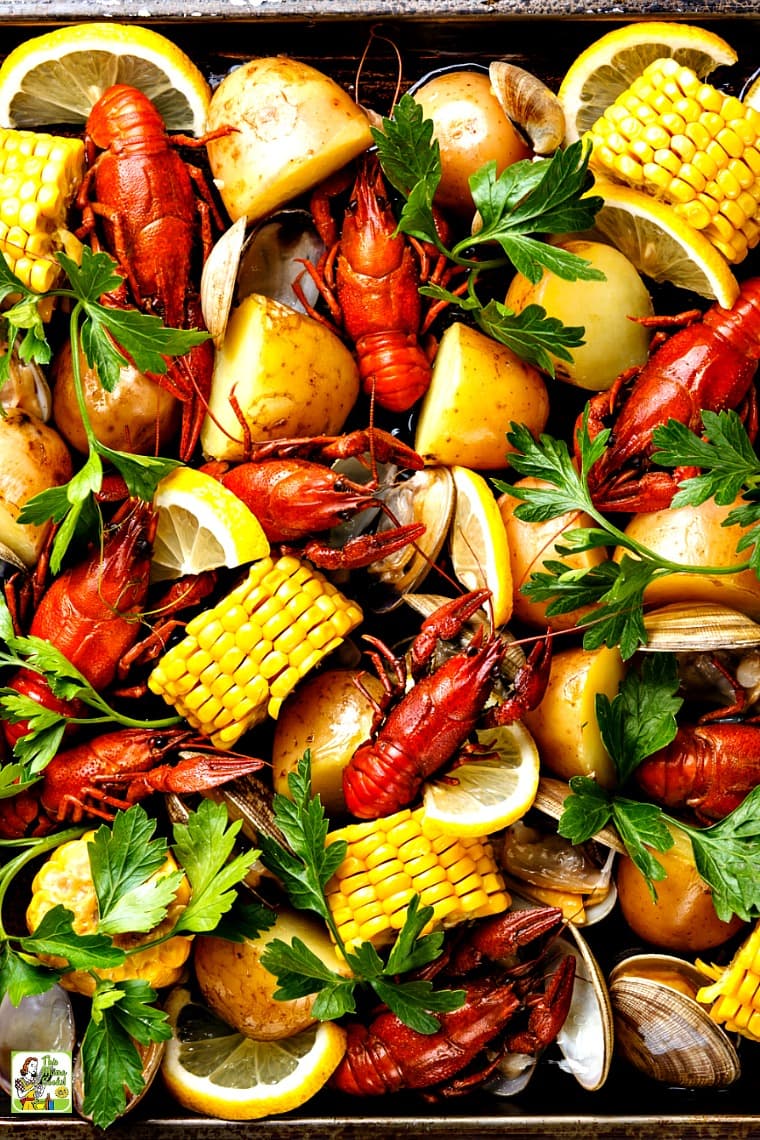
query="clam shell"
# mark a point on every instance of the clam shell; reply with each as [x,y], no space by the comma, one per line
[699,628]
[530,104]
[586,1040]
[219,278]
[427,497]
[40,1022]
[664,1032]
[550,799]
[272,258]
[26,387]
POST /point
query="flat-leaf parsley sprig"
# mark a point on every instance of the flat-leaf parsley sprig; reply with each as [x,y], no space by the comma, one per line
[527,200]
[110,338]
[637,722]
[304,869]
[124,859]
[615,589]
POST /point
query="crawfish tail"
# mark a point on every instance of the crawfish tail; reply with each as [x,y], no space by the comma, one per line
[394,368]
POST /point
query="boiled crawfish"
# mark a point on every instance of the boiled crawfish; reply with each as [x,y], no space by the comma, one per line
[709,364]
[293,497]
[93,611]
[428,725]
[504,1010]
[709,768]
[153,210]
[370,278]
[113,771]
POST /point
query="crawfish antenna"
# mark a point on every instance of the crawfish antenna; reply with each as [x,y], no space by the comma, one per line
[375,35]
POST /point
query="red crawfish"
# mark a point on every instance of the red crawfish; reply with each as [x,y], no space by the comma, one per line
[427,726]
[293,497]
[709,364]
[370,278]
[113,771]
[153,209]
[505,1010]
[93,611]
[709,768]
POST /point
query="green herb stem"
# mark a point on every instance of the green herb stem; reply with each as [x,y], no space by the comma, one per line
[34,848]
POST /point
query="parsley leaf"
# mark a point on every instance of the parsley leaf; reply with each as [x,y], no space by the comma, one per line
[642,716]
[203,847]
[515,209]
[22,975]
[121,1014]
[55,934]
[305,869]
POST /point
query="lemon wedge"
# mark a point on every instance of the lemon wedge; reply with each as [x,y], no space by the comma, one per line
[201,526]
[662,245]
[478,542]
[609,65]
[55,79]
[213,1069]
[486,794]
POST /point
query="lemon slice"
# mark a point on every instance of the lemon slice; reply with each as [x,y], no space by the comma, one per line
[662,245]
[484,795]
[201,526]
[478,542]
[213,1069]
[55,79]
[611,63]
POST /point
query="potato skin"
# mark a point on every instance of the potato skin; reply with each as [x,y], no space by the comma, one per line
[34,458]
[138,417]
[293,127]
[683,918]
[613,342]
[471,128]
[329,716]
[533,544]
[240,990]
[695,536]
[291,376]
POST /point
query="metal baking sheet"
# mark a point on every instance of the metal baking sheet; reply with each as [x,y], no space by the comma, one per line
[544,35]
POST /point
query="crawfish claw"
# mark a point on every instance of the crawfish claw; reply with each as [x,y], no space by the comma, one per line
[548,1011]
[444,624]
[529,685]
[498,938]
[195,772]
[364,549]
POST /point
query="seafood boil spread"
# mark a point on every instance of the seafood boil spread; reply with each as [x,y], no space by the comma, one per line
[380,551]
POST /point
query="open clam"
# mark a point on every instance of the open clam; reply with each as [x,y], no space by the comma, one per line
[40,1023]
[426,497]
[662,1030]
[530,105]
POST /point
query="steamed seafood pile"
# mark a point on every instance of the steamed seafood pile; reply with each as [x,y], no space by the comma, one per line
[381,604]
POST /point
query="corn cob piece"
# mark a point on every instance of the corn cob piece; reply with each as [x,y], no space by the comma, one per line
[65,879]
[688,144]
[734,996]
[39,174]
[240,659]
[390,859]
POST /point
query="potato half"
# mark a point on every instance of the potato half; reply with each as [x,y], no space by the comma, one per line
[289,374]
[478,388]
[292,127]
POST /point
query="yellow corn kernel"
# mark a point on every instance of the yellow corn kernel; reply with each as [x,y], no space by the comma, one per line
[65,879]
[458,878]
[220,644]
[40,173]
[734,995]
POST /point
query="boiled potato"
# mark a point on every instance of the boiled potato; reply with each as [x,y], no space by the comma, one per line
[471,129]
[291,125]
[138,416]
[34,458]
[478,388]
[329,716]
[695,536]
[533,544]
[290,376]
[613,342]
[683,918]
[240,990]
[564,725]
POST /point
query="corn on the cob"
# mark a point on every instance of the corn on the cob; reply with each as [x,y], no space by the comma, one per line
[65,879]
[39,174]
[734,996]
[239,660]
[690,145]
[389,860]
